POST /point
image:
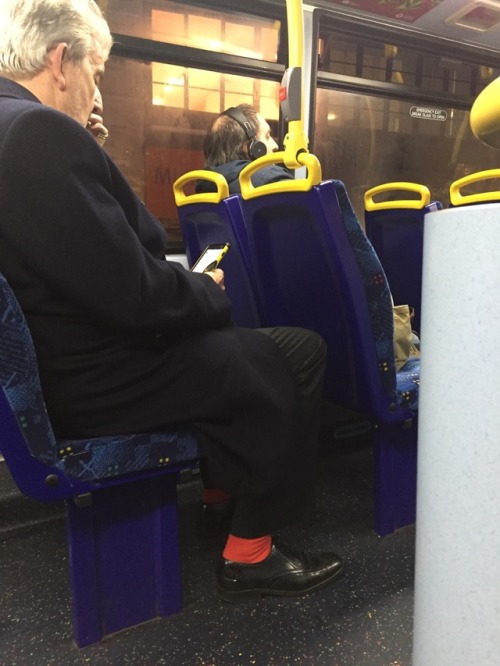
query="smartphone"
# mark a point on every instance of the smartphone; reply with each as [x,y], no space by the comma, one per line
[210,257]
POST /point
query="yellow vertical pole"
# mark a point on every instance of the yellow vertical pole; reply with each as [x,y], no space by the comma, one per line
[295,141]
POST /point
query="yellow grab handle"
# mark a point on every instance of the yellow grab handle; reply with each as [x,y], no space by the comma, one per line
[291,102]
[458,199]
[311,162]
[422,190]
[182,199]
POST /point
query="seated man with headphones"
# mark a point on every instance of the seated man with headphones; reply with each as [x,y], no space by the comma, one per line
[238,136]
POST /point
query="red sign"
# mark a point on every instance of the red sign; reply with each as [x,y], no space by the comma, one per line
[163,167]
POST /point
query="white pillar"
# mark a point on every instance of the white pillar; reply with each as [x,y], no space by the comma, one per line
[457,581]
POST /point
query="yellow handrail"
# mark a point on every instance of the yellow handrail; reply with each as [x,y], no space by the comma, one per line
[422,190]
[311,162]
[459,199]
[182,199]
[295,153]
[296,140]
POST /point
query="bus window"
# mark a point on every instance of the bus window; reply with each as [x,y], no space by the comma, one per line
[187,25]
[158,114]
[391,63]
[366,140]
[386,111]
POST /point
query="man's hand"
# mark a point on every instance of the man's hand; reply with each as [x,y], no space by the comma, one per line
[95,123]
[97,128]
[217,276]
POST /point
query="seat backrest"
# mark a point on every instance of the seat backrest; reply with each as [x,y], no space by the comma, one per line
[45,469]
[204,223]
[19,378]
[219,220]
[27,441]
[314,267]
[396,230]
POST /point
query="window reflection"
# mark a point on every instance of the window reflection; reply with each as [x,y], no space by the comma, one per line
[186,25]
[158,116]
[201,90]
[391,63]
[366,141]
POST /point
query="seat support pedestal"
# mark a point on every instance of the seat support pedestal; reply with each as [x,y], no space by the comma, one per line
[124,557]
[395,462]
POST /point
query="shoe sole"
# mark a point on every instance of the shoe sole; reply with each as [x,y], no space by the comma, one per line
[256,593]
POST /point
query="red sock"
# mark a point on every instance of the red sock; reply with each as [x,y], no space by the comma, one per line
[247,551]
[215,496]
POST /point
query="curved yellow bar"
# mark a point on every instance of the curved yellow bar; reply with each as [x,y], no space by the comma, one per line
[425,196]
[457,199]
[182,199]
[485,115]
[311,162]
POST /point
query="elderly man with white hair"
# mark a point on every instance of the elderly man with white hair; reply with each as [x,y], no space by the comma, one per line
[127,341]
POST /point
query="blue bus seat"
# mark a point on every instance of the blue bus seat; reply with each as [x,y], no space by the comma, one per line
[314,267]
[216,218]
[396,230]
[119,492]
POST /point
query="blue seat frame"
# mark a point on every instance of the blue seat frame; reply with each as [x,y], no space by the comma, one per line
[314,267]
[397,235]
[120,495]
[217,218]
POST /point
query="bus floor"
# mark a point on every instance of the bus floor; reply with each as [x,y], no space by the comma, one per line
[364,619]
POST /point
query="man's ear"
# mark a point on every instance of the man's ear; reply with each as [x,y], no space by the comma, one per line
[57,60]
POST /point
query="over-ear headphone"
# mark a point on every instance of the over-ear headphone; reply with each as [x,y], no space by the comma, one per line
[256,148]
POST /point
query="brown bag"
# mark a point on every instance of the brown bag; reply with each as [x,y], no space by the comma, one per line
[404,346]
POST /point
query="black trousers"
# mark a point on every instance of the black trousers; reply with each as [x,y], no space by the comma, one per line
[305,354]
[252,396]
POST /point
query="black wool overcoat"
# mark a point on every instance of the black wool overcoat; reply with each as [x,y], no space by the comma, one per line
[127,341]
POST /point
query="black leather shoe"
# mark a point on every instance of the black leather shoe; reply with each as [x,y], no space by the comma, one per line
[282,573]
[214,519]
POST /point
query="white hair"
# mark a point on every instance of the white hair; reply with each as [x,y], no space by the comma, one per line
[29,29]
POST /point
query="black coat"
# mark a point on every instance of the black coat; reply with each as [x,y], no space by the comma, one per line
[126,341]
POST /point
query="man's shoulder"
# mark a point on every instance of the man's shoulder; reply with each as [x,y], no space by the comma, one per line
[12,89]
[271,174]
[29,120]
[27,110]
[230,171]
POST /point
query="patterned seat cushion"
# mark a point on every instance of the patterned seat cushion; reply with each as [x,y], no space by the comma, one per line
[408,384]
[99,458]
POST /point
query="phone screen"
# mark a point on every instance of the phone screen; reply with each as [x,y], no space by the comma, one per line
[210,257]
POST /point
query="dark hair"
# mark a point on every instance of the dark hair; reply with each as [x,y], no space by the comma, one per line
[226,139]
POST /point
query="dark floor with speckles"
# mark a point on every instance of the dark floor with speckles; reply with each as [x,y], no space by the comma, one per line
[365,619]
